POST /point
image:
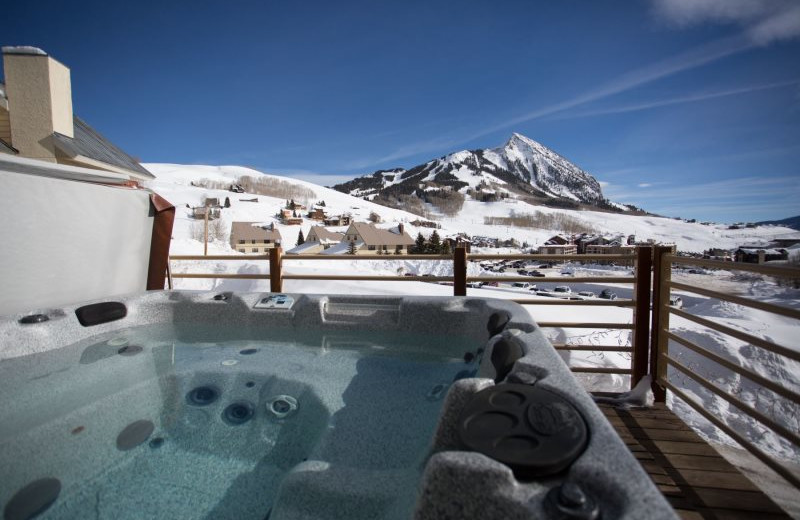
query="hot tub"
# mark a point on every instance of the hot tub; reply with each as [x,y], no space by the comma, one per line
[206,405]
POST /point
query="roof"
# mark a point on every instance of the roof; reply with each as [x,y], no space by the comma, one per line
[89,143]
[325,234]
[253,231]
[373,236]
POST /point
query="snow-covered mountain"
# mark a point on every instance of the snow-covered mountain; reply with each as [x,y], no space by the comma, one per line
[522,166]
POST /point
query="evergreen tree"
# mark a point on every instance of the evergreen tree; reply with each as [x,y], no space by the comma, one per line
[419,245]
[300,238]
[351,250]
[287,205]
[227,202]
[434,244]
[446,248]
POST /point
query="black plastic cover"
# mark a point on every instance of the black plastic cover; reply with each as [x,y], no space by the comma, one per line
[497,322]
[532,430]
[98,313]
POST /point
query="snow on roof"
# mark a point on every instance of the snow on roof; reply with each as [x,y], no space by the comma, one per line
[305,246]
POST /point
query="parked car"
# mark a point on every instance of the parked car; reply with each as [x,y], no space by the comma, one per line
[533,287]
[520,285]
[588,294]
[608,295]
[567,272]
[491,284]
[562,289]
[545,266]
[523,272]
[536,273]
[676,301]
[475,285]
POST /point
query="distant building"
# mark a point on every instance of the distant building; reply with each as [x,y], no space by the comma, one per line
[568,249]
[459,240]
[759,256]
[319,239]
[340,220]
[36,119]
[369,239]
[252,237]
[199,212]
[316,214]
[290,217]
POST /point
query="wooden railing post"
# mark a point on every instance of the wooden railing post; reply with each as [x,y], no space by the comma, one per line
[460,271]
[662,273]
[275,272]
[641,314]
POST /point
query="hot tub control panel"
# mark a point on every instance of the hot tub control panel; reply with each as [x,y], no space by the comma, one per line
[275,301]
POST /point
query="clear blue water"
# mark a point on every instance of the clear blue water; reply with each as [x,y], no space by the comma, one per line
[354,446]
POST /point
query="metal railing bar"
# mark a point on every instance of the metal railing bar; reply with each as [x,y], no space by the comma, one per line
[583,325]
[560,258]
[747,302]
[770,270]
[748,338]
[544,300]
[219,257]
[378,278]
[766,459]
[601,370]
[766,383]
[553,279]
[593,348]
[222,275]
[387,256]
[744,407]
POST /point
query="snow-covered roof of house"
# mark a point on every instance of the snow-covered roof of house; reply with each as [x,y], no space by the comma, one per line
[754,251]
[302,248]
[374,236]
[325,235]
[253,231]
[90,143]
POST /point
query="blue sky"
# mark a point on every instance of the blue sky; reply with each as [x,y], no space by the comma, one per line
[684,107]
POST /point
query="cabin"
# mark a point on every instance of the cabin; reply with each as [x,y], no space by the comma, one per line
[37,122]
[253,237]
[199,212]
[316,213]
[290,217]
[340,220]
[459,240]
[370,240]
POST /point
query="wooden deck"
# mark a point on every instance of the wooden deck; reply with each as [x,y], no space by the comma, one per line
[694,478]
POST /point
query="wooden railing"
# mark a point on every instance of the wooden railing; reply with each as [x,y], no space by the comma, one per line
[665,341]
[650,345]
[639,324]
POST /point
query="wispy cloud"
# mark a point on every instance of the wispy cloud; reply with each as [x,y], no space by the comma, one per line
[691,59]
[764,21]
[692,98]
[644,185]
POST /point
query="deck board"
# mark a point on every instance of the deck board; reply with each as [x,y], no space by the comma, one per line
[696,480]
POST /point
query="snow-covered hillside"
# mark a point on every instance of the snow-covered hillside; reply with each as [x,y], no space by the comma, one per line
[521,165]
[173,182]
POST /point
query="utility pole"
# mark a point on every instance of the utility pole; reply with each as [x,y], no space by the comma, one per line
[205,234]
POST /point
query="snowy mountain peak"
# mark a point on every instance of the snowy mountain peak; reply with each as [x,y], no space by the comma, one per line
[521,166]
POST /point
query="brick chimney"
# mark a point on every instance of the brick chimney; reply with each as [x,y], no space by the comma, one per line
[400,228]
[39,95]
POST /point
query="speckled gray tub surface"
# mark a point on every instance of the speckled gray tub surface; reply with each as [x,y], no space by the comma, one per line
[295,406]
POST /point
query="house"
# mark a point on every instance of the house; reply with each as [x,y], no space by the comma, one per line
[290,217]
[212,202]
[341,220]
[252,237]
[787,240]
[213,212]
[557,240]
[567,249]
[459,240]
[316,213]
[369,239]
[759,256]
[319,239]
[36,119]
